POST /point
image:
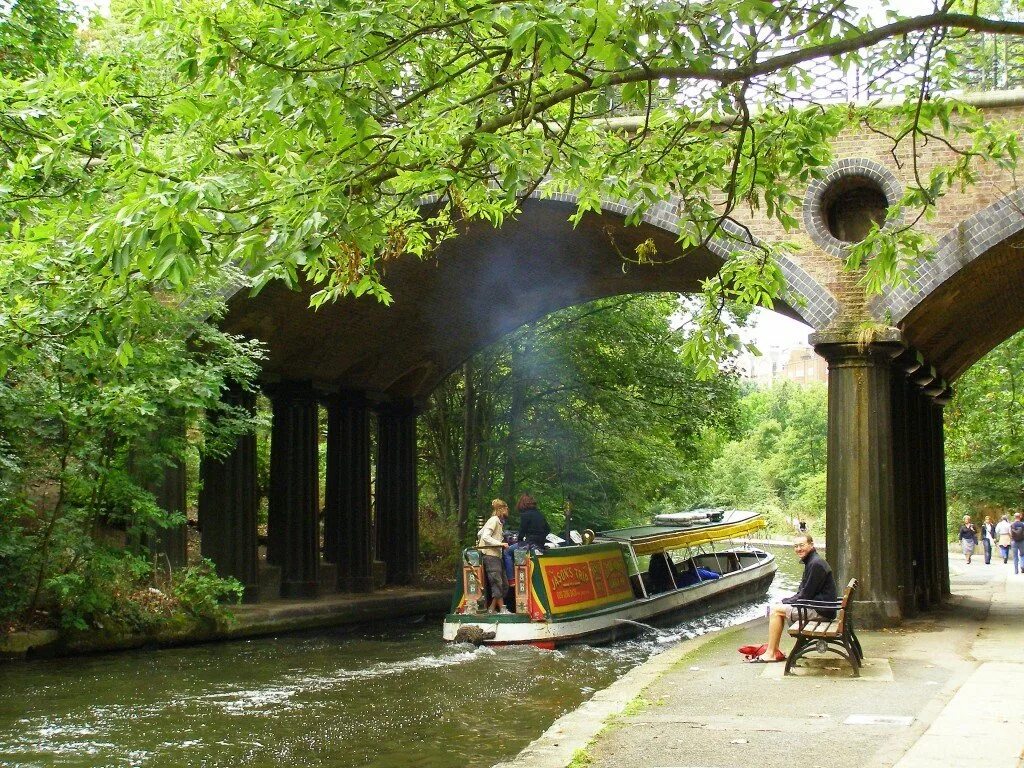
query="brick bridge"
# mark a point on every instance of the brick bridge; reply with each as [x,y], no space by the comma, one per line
[886,508]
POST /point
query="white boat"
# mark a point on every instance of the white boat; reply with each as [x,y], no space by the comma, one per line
[614,586]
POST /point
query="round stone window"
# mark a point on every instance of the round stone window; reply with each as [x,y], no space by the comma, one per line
[841,208]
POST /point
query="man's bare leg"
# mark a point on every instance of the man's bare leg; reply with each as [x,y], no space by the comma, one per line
[776,623]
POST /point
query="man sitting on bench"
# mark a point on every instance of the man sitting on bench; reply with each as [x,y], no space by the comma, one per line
[817,583]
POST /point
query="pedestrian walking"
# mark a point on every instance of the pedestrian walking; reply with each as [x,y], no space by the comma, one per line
[1017,542]
[968,538]
[988,536]
[1003,537]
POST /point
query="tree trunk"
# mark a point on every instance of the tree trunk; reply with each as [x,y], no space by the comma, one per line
[469,451]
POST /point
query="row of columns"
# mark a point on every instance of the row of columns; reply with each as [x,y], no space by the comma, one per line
[886,500]
[228,501]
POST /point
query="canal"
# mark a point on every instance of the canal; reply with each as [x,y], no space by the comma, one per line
[382,697]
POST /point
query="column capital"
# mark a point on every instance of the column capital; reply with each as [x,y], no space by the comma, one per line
[402,407]
[287,389]
[846,353]
[352,398]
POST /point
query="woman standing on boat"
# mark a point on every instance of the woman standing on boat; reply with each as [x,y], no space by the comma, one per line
[491,546]
[533,526]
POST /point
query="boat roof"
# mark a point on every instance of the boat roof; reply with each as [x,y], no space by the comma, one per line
[648,539]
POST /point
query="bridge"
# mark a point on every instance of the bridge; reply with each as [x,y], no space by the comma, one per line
[886,504]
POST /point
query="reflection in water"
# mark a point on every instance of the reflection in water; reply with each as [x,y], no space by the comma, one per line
[383,697]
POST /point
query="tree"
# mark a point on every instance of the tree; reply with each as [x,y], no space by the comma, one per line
[593,410]
[985,432]
[301,139]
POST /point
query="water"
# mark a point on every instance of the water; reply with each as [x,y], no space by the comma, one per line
[383,697]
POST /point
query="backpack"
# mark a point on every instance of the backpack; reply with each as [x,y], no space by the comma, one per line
[1017,530]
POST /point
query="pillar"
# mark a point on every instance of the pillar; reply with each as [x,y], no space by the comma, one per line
[860,525]
[347,507]
[939,493]
[397,492]
[905,526]
[228,505]
[171,544]
[293,529]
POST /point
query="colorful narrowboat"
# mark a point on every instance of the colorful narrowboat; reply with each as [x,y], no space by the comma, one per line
[617,582]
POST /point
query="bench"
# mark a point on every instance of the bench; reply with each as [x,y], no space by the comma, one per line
[813,634]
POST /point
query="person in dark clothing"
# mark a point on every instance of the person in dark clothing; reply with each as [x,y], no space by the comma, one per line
[533,526]
[817,583]
[968,538]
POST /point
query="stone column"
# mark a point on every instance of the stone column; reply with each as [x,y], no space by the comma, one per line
[171,544]
[939,494]
[293,529]
[227,507]
[347,505]
[397,492]
[905,527]
[860,525]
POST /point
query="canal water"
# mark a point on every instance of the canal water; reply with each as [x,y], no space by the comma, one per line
[383,697]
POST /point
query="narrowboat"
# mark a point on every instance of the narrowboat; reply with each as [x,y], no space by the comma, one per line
[616,583]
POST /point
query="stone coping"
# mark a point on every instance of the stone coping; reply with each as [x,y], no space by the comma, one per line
[255,620]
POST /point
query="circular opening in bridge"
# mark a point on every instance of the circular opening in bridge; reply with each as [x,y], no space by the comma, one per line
[851,205]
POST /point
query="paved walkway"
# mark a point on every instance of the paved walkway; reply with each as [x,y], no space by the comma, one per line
[942,690]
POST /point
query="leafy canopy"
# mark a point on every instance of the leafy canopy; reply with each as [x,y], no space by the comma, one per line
[299,138]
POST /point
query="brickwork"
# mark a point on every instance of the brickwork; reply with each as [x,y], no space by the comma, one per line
[969,224]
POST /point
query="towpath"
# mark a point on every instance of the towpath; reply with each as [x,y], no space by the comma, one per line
[942,690]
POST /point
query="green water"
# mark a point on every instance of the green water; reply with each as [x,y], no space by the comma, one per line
[387,697]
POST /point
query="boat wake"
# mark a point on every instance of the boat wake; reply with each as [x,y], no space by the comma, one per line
[661,636]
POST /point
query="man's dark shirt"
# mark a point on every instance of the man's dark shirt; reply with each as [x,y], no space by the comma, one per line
[533,527]
[817,583]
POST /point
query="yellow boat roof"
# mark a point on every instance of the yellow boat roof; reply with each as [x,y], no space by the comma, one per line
[648,539]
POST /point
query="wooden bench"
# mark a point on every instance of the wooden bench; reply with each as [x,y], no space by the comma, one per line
[813,634]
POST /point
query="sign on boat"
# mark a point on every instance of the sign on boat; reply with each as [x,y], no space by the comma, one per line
[618,583]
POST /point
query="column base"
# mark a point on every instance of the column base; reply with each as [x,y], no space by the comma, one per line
[356,584]
[876,614]
[402,579]
[299,590]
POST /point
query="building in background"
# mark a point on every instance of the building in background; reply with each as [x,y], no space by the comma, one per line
[799,364]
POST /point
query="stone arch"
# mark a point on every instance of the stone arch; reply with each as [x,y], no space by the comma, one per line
[964,300]
[814,303]
[478,287]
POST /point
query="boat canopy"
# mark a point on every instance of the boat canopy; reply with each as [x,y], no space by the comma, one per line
[648,539]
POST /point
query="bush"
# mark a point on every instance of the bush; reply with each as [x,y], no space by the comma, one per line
[202,594]
[439,547]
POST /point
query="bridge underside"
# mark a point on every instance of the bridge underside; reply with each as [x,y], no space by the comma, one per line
[476,289]
[970,313]
[366,362]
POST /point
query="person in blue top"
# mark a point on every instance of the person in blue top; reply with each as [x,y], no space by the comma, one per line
[817,584]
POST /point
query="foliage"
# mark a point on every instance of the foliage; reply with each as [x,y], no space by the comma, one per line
[99,378]
[593,410]
[985,435]
[439,547]
[298,140]
[777,466]
[201,593]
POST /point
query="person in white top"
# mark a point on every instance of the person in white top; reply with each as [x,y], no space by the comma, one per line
[1003,538]
[491,543]
[988,535]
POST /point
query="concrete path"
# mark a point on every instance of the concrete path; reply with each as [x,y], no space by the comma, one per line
[942,690]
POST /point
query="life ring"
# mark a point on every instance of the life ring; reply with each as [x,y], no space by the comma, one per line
[588,536]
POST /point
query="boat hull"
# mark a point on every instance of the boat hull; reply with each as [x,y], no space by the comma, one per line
[610,624]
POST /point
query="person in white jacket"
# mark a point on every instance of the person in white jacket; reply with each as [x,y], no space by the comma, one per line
[491,543]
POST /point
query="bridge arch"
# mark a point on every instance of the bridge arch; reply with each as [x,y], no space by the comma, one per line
[964,300]
[482,285]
